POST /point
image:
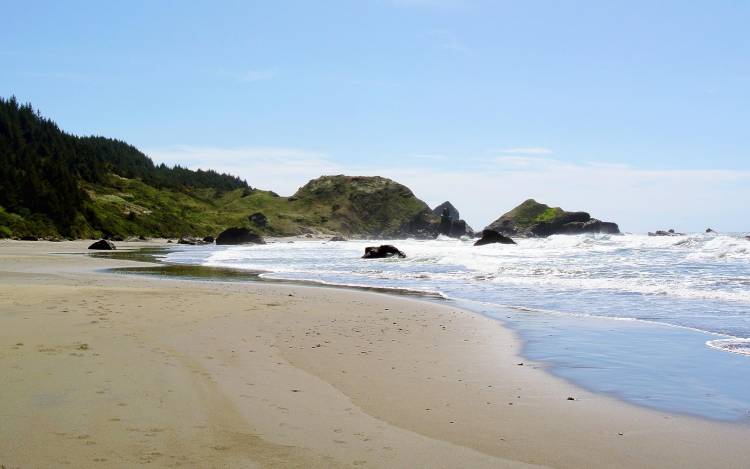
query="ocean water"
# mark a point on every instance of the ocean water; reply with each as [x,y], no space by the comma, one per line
[662,322]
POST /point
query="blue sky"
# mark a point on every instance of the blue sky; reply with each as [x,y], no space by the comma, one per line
[636,111]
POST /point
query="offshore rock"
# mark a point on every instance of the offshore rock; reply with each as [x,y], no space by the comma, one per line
[452,211]
[533,219]
[450,223]
[383,251]
[665,233]
[492,237]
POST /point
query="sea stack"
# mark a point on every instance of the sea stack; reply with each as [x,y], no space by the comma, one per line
[493,237]
[383,251]
[450,221]
[534,219]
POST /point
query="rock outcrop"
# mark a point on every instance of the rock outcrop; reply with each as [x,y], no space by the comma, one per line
[440,210]
[258,219]
[190,240]
[337,238]
[492,237]
[383,251]
[103,245]
[669,232]
[374,207]
[450,221]
[237,235]
[532,219]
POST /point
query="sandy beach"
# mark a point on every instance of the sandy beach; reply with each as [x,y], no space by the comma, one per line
[112,370]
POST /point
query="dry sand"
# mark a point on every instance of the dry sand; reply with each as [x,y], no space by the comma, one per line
[108,370]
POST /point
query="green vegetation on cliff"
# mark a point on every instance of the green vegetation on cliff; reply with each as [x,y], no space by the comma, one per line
[531,212]
[55,184]
[357,204]
[534,219]
[46,176]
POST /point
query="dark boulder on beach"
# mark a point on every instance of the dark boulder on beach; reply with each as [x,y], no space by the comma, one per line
[337,238]
[383,251]
[28,238]
[190,240]
[533,219]
[493,237]
[103,245]
[208,239]
[236,235]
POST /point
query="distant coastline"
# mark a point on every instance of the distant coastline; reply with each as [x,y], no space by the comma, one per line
[60,186]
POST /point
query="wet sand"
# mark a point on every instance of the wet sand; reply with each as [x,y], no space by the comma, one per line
[108,370]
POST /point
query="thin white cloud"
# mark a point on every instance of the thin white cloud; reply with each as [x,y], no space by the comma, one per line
[428,156]
[638,199]
[524,162]
[282,170]
[526,151]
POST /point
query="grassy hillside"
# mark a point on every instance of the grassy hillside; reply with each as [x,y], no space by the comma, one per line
[531,212]
[353,206]
[364,205]
[534,219]
[53,184]
[45,174]
[129,207]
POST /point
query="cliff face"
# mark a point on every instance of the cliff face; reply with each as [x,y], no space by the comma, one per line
[533,219]
[364,206]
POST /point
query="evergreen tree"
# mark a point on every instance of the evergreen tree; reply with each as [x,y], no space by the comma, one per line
[42,167]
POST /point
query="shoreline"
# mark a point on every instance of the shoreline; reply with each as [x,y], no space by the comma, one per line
[671,401]
[352,383]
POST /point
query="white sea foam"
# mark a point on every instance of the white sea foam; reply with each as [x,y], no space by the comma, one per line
[739,346]
[697,281]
